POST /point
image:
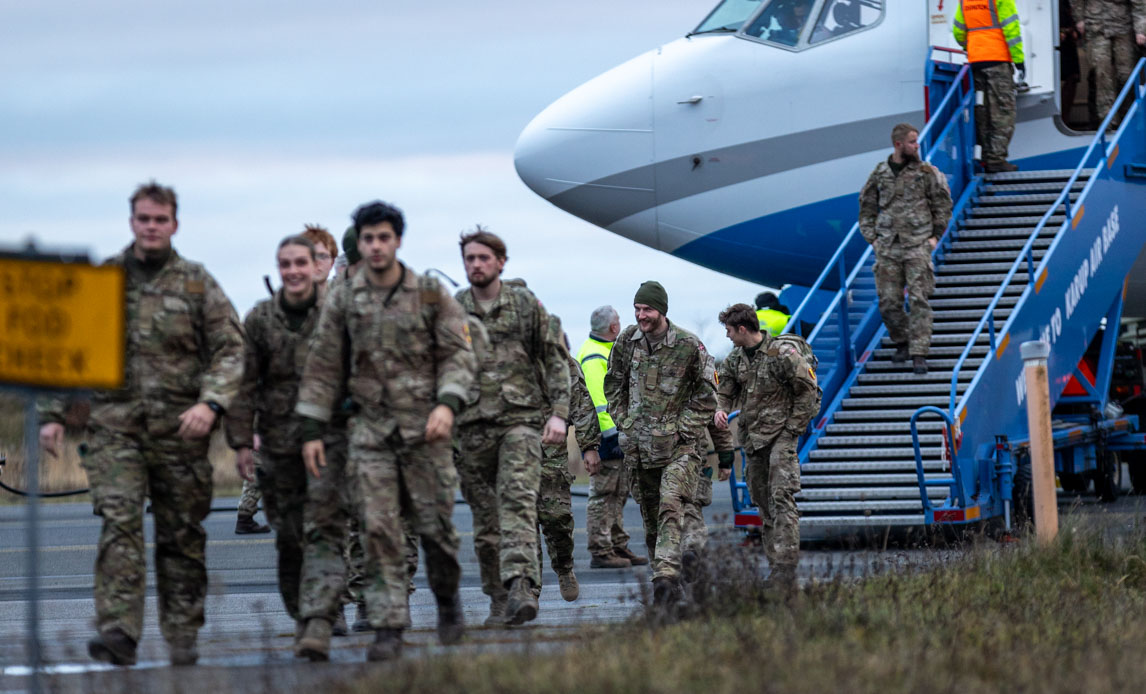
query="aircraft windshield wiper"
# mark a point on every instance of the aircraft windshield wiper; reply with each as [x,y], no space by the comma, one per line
[732,28]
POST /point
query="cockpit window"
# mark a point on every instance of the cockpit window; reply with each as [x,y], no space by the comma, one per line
[728,16]
[782,21]
[840,17]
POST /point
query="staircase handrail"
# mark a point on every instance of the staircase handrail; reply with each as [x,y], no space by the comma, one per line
[919,474]
[988,319]
[838,257]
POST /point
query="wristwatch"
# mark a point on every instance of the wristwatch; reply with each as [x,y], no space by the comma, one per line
[216,408]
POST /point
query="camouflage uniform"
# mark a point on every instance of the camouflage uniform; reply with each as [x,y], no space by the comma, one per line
[409,351]
[274,358]
[183,346]
[249,499]
[554,511]
[1109,27]
[522,374]
[661,401]
[695,530]
[775,389]
[898,213]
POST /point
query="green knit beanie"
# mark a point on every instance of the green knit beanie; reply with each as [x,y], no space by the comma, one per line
[350,245]
[652,294]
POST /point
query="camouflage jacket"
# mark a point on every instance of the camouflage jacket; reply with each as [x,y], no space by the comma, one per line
[913,206]
[722,439]
[582,413]
[183,345]
[273,361]
[523,371]
[657,398]
[409,351]
[1110,17]
[774,388]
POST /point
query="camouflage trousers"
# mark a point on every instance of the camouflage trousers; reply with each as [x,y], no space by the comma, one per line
[331,505]
[554,509]
[413,481]
[249,499]
[605,511]
[500,471]
[282,481]
[897,267]
[694,534]
[123,471]
[995,118]
[663,493]
[1112,58]
[773,481]
[355,559]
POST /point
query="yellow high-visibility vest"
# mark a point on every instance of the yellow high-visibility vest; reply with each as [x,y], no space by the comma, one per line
[594,360]
[772,320]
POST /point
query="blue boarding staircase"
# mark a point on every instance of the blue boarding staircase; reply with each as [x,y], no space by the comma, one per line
[1028,255]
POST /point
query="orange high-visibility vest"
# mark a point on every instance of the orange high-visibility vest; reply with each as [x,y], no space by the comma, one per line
[985,39]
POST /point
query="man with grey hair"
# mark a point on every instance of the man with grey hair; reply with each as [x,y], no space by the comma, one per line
[608,483]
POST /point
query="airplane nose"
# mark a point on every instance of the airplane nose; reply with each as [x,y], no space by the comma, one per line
[591,152]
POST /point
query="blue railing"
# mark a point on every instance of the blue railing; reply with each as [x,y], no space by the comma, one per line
[949,432]
[1026,256]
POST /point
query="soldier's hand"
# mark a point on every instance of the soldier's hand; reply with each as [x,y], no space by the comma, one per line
[723,474]
[314,457]
[720,419]
[1080,26]
[245,463]
[1141,39]
[258,442]
[933,241]
[440,423]
[196,422]
[592,462]
[554,432]
[52,438]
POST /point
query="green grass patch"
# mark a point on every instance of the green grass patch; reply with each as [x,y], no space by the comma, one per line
[1066,618]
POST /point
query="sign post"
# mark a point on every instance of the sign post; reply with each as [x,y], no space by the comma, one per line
[61,328]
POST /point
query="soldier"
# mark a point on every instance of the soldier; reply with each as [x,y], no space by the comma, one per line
[773,384]
[609,483]
[661,399]
[277,332]
[554,511]
[904,209]
[990,32]
[184,357]
[1111,28]
[409,369]
[325,251]
[694,534]
[522,373]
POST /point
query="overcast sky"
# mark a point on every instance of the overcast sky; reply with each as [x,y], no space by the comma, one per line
[268,115]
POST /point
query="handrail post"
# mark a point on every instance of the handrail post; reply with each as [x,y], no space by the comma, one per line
[848,356]
[919,474]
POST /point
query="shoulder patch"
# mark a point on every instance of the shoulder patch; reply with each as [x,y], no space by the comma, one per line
[470,341]
[195,286]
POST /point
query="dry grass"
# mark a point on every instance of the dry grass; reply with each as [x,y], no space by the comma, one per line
[65,472]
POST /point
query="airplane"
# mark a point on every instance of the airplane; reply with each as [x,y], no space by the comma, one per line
[742,146]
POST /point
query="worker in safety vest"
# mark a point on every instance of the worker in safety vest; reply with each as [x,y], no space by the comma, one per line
[772,314]
[989,31]
[609,483]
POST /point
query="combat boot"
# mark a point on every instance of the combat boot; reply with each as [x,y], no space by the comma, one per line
[609,561]
[451,620]
[920,365]
[339,627]
[521,605]
[570,589]
[387,645]
[315,642]
[497,603]
[246,525]
[781,585]
[901,354]
[113,646]
[634,559]
[183,652]
[361,621]
[999,166]
[689,566]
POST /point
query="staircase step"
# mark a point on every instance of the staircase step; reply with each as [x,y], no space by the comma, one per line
[979,302]
[942,367]
[1007,233]
[878,440]
[1023,199]
[864,493]
[860,506]
[877,428]
[902,414]
[896,402]
[892,389]
[957,260]
[863,467]
[1003,222]
[945,281]
[988,291]
[933,375]
[983,338]
[949,315]
[940,351]
[873,480]
[1014,245]
[974,268]
[1006,209]
[1037,175]
[1047,186]
[948,326]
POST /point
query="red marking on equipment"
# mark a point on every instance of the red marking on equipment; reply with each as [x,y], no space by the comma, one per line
[823,421]
[743,519]
[1076,388]
[949,515]
[865,357]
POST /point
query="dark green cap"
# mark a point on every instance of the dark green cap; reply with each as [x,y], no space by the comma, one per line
[653,294]
[350,245]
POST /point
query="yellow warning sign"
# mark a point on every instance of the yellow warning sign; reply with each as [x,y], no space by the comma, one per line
[61,324]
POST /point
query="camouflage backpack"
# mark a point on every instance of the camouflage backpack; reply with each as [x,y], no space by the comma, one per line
[800,345]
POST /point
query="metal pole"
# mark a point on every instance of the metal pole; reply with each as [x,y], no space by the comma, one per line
[32,465]
[1035,355]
